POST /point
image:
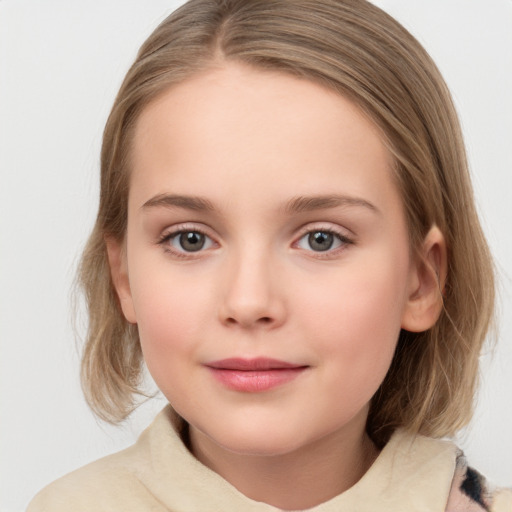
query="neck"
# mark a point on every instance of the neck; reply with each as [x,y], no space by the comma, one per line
[300,479]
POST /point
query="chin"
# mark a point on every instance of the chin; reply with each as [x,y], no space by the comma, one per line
[253,438]
[261,446]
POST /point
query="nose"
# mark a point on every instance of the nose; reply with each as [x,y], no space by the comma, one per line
[252,293]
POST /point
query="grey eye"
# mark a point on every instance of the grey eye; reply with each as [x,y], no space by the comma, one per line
[190,241]
[320,240]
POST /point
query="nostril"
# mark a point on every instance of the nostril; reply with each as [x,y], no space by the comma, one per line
[263,320]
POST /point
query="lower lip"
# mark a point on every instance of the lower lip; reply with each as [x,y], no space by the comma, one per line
[257,380]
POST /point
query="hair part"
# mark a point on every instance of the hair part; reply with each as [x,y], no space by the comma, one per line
[356,49]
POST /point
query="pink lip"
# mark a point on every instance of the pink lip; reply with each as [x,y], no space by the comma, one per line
[254,375]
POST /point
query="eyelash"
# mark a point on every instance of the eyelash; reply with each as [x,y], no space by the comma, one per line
[168,236]
[343,239]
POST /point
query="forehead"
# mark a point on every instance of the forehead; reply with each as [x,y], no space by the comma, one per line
[237,126]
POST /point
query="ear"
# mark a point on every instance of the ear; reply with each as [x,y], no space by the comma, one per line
[119,272]
[427,280]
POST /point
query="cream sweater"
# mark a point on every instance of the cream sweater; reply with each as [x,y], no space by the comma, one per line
[158,473]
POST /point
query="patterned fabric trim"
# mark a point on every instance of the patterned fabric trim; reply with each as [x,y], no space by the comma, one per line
[470,492]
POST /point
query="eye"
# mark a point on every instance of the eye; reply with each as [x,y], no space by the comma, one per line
[187,241]
[322,240]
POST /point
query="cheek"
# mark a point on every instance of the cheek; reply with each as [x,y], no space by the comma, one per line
[170,317]
[355,319]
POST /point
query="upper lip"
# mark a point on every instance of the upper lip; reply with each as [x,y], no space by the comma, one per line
[255,364]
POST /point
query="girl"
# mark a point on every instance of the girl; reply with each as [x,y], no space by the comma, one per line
[287,238]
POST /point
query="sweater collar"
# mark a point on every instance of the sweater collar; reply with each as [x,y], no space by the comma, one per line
[410,473]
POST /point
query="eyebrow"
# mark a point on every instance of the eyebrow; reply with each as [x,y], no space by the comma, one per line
[295,205]
[186,202]
[310,203]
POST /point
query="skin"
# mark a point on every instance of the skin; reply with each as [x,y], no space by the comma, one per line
[250,143]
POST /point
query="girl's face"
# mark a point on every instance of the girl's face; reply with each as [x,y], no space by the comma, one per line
[267,261]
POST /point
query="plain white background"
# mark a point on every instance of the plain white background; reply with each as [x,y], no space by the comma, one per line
[61,63]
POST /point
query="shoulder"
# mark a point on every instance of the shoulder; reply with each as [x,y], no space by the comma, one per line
[471,492]
[435,475]
[115,482]
[110,483]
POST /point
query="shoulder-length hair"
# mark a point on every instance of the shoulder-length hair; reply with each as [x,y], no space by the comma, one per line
[356,49]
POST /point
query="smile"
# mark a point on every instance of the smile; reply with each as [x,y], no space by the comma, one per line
[254,375]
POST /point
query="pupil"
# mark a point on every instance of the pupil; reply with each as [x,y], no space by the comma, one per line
[192,241]
[321,241]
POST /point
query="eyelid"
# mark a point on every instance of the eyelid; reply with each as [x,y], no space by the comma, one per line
[345,238]
[175,230]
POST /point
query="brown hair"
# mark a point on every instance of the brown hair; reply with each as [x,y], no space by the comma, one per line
[359,51]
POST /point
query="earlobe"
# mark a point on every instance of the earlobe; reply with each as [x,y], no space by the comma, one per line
[428,276]
[119,273]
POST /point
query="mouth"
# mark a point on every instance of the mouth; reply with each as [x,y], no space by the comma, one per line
[254,375]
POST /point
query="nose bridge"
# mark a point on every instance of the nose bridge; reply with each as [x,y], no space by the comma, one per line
[251,292]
